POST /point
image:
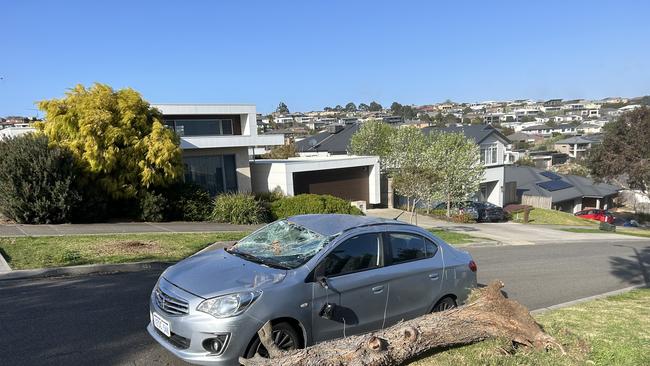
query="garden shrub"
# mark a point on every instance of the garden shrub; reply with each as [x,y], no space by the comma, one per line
[311,204]
[190,202]
[37,183]
[238,208]
[153,207]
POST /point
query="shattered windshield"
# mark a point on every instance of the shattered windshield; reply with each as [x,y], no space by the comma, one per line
[280,244]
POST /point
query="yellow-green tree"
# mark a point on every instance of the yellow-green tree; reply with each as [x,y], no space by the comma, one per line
[118,139]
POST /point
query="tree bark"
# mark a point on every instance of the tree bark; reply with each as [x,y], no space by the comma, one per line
[489,315]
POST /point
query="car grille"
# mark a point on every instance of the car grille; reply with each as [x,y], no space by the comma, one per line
[176,340]
[169,304]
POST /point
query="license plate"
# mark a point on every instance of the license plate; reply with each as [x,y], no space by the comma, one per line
[161,324]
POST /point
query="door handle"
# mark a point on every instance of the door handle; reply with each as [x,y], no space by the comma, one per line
[378,289]
[434,276]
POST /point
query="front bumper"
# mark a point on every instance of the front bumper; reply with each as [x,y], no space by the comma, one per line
[190,331]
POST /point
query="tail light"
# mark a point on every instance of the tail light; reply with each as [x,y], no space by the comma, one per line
[472,266]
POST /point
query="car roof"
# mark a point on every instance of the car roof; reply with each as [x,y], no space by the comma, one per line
[330,224]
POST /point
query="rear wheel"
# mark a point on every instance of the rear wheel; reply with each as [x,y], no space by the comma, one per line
[445,303]
[284,336]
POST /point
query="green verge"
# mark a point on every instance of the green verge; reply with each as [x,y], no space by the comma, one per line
[639,232]
[455,238]
[610,331]
[59,251]
[541,216]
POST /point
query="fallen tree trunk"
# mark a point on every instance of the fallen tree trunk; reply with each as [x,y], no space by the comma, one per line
[489,315]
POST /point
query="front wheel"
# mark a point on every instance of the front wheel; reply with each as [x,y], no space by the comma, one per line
[284,336]
[444,304]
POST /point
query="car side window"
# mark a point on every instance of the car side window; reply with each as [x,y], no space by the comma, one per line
[406,247]
[430,248]
[356,254]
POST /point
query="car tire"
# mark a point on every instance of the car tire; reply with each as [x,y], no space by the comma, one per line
[284,333]
[443,304]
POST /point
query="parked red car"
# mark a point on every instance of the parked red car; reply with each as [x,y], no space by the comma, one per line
[596,214]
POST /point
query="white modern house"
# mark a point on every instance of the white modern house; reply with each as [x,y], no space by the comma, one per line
[355,178]
[216,140]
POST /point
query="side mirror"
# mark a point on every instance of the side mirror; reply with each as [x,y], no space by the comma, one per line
[322,280]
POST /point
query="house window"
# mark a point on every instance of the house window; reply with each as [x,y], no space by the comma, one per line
[215,173]
[201,127]
[489,154]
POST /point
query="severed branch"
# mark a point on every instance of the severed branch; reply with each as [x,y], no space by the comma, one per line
[489,315]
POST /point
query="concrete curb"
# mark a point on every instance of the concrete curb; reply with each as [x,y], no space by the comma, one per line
[585,299]
[82,270]
[97,268]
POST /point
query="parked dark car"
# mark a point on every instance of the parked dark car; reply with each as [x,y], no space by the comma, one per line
[466,207]
[489,212]
[596,214]
[479,211]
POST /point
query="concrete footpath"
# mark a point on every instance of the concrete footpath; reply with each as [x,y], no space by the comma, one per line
[15,230]
[507,233]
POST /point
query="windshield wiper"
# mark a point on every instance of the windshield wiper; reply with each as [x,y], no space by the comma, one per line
[258,260]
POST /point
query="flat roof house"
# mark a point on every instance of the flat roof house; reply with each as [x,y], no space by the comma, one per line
[216,139]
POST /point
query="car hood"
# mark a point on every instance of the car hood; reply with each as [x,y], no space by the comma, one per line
[218,273]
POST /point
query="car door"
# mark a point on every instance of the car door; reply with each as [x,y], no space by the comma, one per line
[416,269]
[355,286]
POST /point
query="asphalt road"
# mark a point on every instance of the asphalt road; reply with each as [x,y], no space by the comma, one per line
[100,320]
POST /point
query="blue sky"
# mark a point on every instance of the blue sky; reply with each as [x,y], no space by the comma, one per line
[312,54]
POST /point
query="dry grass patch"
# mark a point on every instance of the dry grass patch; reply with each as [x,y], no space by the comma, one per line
[126,247]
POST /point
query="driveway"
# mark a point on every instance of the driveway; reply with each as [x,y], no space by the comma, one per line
[506,233]
[100,320]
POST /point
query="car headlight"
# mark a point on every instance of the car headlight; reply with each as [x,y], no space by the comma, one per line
[229,305]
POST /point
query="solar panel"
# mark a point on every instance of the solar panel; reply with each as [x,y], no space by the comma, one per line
[550,175]
[555,185]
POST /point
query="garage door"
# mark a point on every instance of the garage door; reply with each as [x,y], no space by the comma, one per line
[347,183]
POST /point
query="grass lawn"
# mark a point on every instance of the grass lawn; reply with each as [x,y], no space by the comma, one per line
[611,331]
[453,237]
[541,216]
[58,251]
[642,233]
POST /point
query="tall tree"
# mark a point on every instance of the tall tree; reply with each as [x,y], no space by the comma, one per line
[363,107]
[350,107]
[455,159]
[625,151]
[116,136]
[396,109]
[407,164]
[373,138]
[375,107]
[282,108]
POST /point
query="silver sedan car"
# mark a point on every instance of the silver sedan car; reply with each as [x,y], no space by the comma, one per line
[315,277]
